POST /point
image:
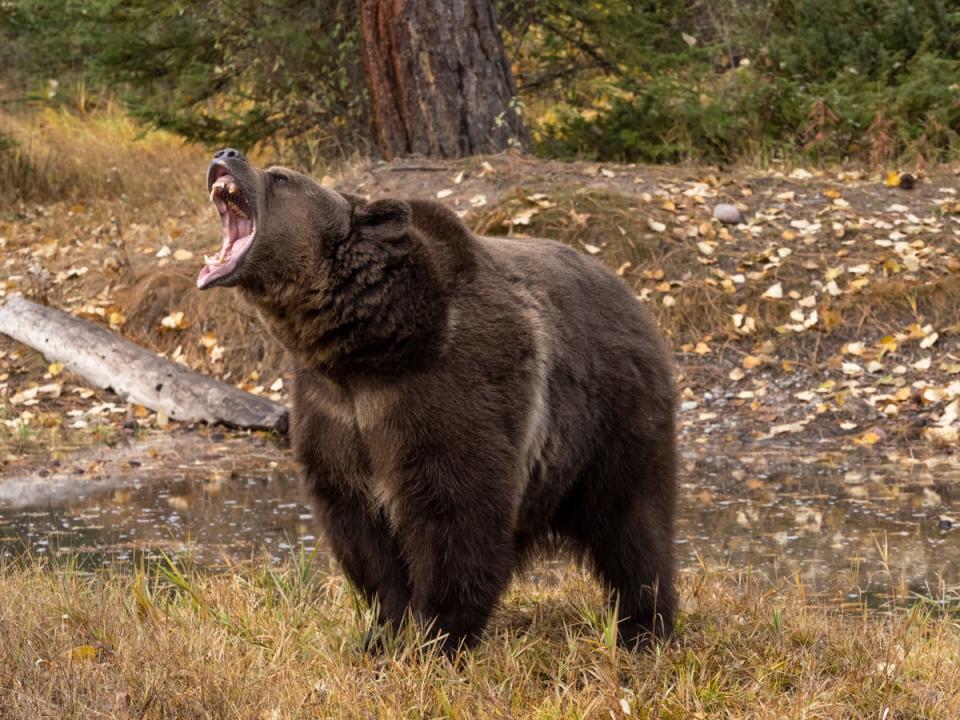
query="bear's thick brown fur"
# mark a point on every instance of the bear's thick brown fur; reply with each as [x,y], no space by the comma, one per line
[459,398]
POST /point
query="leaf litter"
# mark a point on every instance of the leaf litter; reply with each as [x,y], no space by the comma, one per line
[827,315]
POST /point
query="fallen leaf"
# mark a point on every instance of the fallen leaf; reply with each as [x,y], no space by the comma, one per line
[83,653]
[524,216]
[116,319]
[774,292]
[174,321]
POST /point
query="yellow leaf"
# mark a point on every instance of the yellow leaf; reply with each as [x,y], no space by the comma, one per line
[832,193]
[867,439]
[751,361]
[886,345]
[831,319]
[174,321]
[83,653]
[893,179]
[55,369]
[116,319]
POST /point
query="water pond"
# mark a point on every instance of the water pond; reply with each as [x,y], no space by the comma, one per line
[850,532]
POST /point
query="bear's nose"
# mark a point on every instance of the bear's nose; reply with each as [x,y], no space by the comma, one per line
[228,154]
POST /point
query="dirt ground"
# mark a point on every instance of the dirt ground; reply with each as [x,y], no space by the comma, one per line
[826,320]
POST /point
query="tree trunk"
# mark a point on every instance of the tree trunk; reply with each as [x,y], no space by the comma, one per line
[439,80]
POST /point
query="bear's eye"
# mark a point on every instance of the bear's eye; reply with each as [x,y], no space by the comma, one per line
[282,179]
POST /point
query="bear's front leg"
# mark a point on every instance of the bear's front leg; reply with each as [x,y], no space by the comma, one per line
[454,519]
[363,545]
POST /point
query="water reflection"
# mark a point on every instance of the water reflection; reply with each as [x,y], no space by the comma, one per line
[846,531]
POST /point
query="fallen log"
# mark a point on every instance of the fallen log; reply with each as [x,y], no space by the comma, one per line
[134,373]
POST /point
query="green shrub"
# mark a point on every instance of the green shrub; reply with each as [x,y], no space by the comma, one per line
[830,79]
[648,80]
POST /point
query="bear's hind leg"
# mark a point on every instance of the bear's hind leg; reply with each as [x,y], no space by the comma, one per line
[634,558]
[621,517]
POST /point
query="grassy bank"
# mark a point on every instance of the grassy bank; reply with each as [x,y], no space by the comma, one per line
[266,642]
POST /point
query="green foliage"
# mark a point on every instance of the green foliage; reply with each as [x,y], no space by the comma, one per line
[649,80]
[237,73]
[717,81]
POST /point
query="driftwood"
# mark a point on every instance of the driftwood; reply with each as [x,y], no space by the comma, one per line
[135,374]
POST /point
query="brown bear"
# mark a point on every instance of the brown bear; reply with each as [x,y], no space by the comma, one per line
[458,398]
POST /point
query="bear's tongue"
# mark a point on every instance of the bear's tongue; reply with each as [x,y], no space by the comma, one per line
[238,232]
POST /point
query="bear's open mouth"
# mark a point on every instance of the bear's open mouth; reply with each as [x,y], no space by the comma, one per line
[239,228]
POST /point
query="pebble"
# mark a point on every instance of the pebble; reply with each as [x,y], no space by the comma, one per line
[726,213]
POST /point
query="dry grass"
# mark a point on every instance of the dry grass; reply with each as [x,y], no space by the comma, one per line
[267,642]
[56,155]
[247,345]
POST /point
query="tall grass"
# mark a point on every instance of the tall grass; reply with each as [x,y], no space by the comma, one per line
[285,642]
[54,155]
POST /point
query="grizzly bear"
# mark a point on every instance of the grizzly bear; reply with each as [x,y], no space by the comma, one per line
[458,399]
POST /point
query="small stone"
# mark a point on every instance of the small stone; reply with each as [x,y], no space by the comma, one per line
[726,213]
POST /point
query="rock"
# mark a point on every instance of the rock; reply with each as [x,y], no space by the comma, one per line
[726,213]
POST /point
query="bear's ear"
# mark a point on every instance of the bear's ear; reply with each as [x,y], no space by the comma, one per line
[383,220]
